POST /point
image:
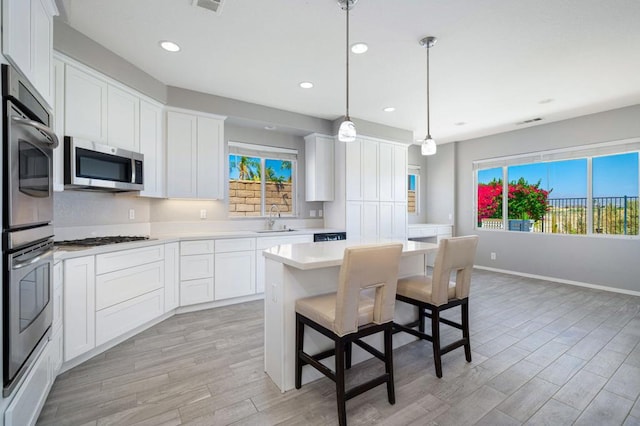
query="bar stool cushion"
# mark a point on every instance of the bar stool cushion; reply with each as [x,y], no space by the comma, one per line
[420,287]
[322,309]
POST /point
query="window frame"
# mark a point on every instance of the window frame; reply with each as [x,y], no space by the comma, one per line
[588,152]
[415,171]
[264,153]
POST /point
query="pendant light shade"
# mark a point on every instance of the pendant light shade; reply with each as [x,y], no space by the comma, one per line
[429,146]
[347,131]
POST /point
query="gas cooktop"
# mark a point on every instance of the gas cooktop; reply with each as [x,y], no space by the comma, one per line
[99,241]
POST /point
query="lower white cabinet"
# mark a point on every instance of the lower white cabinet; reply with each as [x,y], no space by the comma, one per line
[56,352]
[171,276]
[79,306]
[196,272]
[235,268]
[30,397]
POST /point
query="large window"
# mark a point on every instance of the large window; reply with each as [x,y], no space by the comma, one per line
[261,179]
[586,194]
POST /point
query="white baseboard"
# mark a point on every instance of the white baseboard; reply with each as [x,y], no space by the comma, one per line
[560,280]
[219,303]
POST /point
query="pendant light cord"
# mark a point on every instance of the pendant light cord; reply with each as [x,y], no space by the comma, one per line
[428,106]
[347,50]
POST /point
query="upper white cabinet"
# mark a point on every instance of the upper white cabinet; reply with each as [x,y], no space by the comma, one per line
[195,155]
[85,105]
[372,201]
[152,145]
[100,111]
[27,40]
[319,171]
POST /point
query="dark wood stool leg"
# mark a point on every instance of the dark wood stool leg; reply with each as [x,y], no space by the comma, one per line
[347,352]
[435,334]
[340,391]
[388,363]
[465,330]
[299,348]
[421,317]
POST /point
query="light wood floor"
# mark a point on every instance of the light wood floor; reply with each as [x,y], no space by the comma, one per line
[543,353]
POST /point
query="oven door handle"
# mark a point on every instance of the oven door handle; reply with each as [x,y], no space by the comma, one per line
[48,133]
[19,265]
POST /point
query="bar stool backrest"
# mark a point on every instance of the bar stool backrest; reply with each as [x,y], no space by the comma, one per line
[454,255]
[367,267]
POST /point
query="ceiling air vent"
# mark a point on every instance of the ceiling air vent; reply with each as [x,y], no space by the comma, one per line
[214,6]
[532,120]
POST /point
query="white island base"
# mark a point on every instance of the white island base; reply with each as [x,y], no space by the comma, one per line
[303,270]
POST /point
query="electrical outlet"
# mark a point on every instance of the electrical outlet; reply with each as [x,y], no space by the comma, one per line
[312,213]
[493,255]
[320,213]
[203,213]
[132,214]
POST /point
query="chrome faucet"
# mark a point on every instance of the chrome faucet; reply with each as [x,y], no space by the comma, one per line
[272,219]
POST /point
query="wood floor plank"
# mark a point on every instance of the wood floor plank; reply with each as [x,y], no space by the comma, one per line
[543,353]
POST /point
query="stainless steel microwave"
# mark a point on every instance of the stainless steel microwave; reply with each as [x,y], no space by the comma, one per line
[93,166]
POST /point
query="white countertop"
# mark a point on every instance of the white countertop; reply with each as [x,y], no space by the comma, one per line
[330,253]
[62,253]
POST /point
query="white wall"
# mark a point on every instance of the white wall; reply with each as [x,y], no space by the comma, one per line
[611,262]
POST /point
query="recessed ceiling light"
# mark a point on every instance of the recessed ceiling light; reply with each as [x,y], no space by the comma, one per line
[169,46]
[460,123]
[388,109]
[359,48]
[546,101]
[306,85]
[269,127]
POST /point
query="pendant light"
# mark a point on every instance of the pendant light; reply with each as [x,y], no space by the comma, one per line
[347,131]
[428,144]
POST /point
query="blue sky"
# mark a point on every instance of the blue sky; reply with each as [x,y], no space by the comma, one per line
[276,165]
[613,176]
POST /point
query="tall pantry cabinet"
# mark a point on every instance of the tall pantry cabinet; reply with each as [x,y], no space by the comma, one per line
[371,189]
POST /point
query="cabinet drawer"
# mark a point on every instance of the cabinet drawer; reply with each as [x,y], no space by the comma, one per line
[444,230]
[110,262]
[236,244]
[196,247]
[423,231]
[119,286]
[196,291]
[118,319]
[196,266]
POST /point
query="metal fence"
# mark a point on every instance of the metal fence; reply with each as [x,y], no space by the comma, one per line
[611,215]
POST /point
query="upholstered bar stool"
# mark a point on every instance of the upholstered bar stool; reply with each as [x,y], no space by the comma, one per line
[437,293]
[347,316]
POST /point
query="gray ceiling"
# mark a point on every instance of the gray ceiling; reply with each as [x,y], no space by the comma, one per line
[497,62]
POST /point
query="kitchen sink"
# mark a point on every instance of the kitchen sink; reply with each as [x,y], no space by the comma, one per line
[273,231]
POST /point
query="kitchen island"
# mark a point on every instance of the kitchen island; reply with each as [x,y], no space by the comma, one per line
[294,271]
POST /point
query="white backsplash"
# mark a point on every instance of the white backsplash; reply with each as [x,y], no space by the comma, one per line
[79,214]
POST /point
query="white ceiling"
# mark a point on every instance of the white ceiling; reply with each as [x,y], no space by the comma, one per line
[496,63]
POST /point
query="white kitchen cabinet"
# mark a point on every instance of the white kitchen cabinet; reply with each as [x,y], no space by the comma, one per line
[58,123]
[123,119]
[122,285]
[79,306]
[235,268]
[171,276]
[196,272]
[122,259]
[28,40]
[152,145]
[85,105]
[195,155]
[268,242]
[29,399]
[319,170]
[56,352]
[369,200]
[57,296]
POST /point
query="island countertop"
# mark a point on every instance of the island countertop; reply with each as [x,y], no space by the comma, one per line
[306,256]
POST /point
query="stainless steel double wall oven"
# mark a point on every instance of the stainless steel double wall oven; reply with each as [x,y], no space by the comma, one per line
[27,233]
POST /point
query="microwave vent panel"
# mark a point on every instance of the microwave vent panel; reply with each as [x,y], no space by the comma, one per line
[214,6]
